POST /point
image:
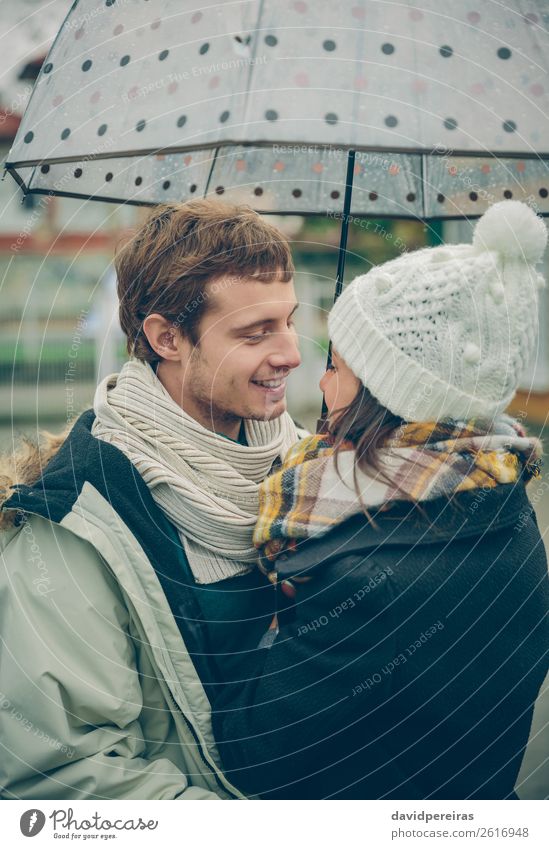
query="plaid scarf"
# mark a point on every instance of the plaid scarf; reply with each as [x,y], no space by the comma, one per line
[311,493]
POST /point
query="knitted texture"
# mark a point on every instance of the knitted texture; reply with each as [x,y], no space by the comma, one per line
[311,493]
[206,484]
[447,332]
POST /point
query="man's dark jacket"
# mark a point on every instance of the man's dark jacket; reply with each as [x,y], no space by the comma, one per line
[412,663]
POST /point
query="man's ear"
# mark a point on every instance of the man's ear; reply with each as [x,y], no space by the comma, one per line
[163,337]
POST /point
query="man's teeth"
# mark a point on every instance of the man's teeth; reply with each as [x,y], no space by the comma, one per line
[270,384]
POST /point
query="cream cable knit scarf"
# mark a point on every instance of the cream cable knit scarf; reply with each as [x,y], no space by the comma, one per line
[206,484]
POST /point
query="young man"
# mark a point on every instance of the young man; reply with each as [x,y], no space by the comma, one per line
[128,580]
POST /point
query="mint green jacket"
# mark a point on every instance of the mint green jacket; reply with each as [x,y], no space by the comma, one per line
[99,698]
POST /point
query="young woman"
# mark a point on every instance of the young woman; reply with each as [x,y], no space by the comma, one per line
[418,639]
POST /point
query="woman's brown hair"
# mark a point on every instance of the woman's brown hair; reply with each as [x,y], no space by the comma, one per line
[368,425]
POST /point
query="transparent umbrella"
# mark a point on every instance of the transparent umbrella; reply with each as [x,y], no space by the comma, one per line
[446,107]
[422,109]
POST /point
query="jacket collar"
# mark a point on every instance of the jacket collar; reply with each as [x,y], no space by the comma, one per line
[467,514]
[80,458]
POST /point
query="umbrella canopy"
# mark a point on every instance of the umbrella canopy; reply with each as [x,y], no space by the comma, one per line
[446,105]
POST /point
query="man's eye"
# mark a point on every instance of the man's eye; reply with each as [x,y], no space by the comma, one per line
[256,337]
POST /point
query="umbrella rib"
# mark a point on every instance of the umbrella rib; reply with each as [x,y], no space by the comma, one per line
[92,157]
[251,65]
[208,181]
[296,211]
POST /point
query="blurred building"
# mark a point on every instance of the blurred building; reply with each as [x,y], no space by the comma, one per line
[58,326]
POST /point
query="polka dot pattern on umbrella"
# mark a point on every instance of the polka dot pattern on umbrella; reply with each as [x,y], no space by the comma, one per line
[175,78]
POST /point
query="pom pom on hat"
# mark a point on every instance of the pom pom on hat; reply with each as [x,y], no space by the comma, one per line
[471,354]
[383,283]
[512,229]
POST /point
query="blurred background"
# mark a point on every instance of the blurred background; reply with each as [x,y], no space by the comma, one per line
[59,331]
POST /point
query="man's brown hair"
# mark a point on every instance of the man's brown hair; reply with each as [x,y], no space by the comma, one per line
[181,247]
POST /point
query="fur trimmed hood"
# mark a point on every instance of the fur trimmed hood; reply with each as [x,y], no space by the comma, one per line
[26,465]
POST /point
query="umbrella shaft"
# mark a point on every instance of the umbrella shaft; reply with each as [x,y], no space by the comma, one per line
[321,423]
[345,224]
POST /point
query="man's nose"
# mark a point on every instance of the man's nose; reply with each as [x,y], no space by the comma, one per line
[286,352]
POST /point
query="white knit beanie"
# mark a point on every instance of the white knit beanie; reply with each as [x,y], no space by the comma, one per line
[447,332]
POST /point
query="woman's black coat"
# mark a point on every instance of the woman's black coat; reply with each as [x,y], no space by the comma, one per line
[411,664]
